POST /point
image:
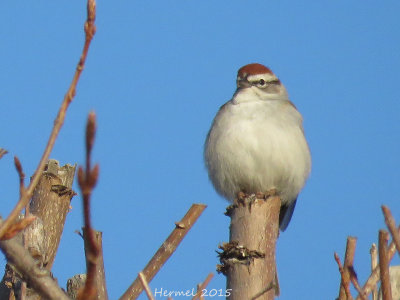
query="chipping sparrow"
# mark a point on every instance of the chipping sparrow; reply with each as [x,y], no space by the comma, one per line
[256,142]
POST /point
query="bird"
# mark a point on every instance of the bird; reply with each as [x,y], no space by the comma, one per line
[256,143]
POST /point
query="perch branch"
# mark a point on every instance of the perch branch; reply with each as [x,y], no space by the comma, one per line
[90,30]
[166,250]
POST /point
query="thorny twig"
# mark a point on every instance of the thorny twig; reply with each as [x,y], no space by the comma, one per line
[90,30]
[87,180]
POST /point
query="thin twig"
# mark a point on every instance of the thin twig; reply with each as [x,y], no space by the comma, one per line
[354,281]
[146,286]
[3,152]
[166,250]
[90,30]
[348,264]
[374,264]
[87,180]
[391,225]
[384,265]
[202,286]
[345,281]
[21,175]
[17,227]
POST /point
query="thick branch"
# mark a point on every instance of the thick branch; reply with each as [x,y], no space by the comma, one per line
[39,279]
[51,203]
[249,260]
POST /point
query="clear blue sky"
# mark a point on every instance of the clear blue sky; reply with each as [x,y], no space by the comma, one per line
[157,73]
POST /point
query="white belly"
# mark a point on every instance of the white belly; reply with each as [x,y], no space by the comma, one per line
[251,148]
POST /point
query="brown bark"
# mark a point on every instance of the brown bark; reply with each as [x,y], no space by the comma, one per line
[50,204]
[384,265]
[249,258]
[344,292]
[100,277]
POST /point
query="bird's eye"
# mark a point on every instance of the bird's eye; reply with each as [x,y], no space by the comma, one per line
[261,82]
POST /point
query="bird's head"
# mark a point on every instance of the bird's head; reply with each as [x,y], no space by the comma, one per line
[257,82]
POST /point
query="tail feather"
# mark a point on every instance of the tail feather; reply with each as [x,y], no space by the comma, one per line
[286,214]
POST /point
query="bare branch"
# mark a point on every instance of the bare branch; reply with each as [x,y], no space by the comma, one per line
[18,227]
[391,225]
[248,260]
[348,263]
[21,175]
[37,278]
[345,281]
[384,265]
[202,286]
[90,30]
[99,273]
[51,203]
[146,286]
[3,152]
[166,250]
[354,281]
[373,279]
[87,180]
[75,284]
[374,264]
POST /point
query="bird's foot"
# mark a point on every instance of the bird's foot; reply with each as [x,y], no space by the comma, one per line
[241,196]
[264,196]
